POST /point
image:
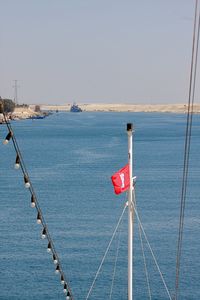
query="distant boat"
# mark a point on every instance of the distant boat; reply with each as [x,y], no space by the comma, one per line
[38,117]
[75,108]
[124,181]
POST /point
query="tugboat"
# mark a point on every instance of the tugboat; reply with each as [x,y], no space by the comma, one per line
[75,108]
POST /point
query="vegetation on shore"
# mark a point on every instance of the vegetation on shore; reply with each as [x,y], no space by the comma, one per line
[7,105]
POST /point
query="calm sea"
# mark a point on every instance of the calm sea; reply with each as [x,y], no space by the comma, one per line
[70,158]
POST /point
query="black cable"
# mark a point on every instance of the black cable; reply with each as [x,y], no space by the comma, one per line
[192,85]
[37,206]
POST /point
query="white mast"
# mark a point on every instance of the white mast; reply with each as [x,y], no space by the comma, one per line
[130,215]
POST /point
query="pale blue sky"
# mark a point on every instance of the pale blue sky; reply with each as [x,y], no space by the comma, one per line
[111,51]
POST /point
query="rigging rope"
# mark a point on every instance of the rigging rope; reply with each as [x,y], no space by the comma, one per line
[40,217]
[192,85]
[115,265]
[144,259]
[143,253]
[152,253]
[107,249]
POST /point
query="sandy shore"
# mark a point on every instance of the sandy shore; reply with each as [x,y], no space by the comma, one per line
[20,113]
[28,112]
[104,107]
[24,113]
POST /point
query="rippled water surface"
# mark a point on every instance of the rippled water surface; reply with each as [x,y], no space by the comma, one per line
[70,158]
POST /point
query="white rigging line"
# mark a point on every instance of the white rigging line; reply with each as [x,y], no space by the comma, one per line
[143,253]
[152,253]
[108,247]
[144,259]
[115,266]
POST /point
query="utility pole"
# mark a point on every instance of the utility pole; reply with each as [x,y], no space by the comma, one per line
[15,86]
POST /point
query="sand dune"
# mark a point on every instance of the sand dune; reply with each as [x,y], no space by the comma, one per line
[104,107]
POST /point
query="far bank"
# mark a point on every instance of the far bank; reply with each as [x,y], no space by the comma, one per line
[104,107]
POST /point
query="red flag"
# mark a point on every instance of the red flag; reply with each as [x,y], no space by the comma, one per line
[121,180]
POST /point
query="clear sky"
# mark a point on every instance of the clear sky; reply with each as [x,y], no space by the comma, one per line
[129,51]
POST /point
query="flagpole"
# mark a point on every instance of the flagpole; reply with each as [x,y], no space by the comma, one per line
[130,215]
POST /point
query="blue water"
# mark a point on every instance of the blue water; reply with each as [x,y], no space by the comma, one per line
[70,158]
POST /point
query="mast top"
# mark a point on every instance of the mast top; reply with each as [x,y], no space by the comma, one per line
[129,126]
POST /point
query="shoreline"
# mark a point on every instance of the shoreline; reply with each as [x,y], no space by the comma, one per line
[104,107]
[21,113]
